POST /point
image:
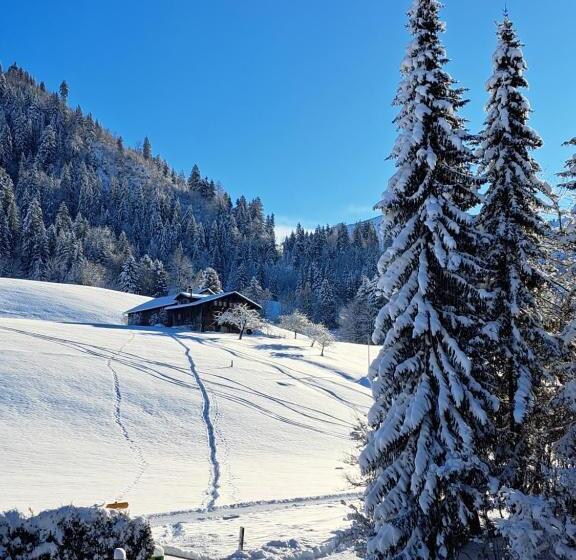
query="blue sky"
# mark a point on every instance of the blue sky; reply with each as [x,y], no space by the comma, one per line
[289,100]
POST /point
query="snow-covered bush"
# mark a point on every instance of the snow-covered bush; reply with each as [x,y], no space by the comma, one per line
[242,317]
[296,322]
[73,533]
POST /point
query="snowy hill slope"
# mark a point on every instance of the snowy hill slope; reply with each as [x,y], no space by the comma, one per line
[170,420]
[63,302]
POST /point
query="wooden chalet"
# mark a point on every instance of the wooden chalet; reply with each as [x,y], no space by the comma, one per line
[198,311]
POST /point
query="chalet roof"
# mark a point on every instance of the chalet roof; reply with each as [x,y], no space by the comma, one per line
[164,301]
[171,302]
[213,297]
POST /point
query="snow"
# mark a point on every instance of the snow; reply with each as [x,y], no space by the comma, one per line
[63,302]
[172,420]
[270,527]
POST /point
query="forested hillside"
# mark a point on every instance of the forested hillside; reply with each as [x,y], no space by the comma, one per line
[78,206]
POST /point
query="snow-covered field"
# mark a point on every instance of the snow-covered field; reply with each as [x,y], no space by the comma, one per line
[173,421]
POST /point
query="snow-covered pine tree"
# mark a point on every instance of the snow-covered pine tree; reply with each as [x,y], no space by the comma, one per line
[510,218]
[429,408]
[63,222]
[5,249]
[195,179]
[34,242]
[160,279]
[569,172]
[129,276]
[358,317]
[327,305]
[256,292]
[181,270]
[211,280]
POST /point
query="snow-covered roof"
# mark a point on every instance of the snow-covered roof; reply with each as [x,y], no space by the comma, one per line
[164,301]
[154,303]
[205,299]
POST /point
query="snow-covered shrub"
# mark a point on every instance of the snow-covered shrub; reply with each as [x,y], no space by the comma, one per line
[73,533]
[535,531]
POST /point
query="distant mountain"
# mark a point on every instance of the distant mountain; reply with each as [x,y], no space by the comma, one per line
[376,222]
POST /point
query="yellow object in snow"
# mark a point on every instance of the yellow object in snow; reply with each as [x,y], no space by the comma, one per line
[117,505]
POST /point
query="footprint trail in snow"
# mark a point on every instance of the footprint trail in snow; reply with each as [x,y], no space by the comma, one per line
[134,447]
[213,491]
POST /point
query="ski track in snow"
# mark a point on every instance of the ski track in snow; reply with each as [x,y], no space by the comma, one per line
[281,369]
[134,447]
[212,492]
[267,412]
[220,512]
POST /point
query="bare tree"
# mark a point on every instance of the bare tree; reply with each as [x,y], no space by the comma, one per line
[296,322]
[320,334]
[242,317]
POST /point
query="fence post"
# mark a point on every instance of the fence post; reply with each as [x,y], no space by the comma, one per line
[119,554]
[241,541]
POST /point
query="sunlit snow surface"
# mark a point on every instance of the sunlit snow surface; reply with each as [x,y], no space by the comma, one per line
[93,411]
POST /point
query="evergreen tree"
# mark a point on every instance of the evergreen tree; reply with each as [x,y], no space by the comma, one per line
[239,278]
[130,276]
[5,249]
[306,299]
[63,222]
[509,217]
[48,147]
[69,257]
[426,479]
[11,211]
[327,305]
[359,316]
[211,280]
[160,279]
[34,242]
[6,148]
[208,189]
[64,91]
[146,276]
[181,271]
[569,172]
[147,148]
[256,292]
[195,179]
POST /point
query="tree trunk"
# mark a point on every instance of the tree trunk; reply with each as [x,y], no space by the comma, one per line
[322,351]
[241,333]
